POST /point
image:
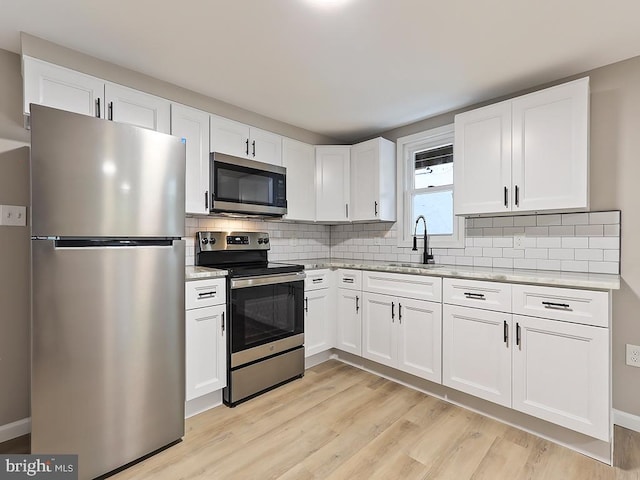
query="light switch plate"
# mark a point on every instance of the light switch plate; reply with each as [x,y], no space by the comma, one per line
[13,215]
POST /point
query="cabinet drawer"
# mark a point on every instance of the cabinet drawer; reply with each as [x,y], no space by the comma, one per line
[419,287]
[473,293]
[578,306]
[317,279]
[204,293]
[351,279]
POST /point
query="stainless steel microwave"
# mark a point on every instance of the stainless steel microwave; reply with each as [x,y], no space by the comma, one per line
[241,186]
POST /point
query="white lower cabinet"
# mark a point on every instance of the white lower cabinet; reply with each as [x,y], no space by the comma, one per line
[349,321]
[476,352]
[561,374]
[319,313]
[205,337]
[403,333]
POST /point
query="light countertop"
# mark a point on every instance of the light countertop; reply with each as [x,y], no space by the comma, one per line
[202,273]
[597,281]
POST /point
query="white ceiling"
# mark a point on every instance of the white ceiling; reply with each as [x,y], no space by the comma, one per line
[346,71]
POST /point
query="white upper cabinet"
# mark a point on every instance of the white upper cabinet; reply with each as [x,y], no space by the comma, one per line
[193,126]
[58,87]
[332,183]
[300,161]
[525,154]
[240,140]
[126,105]
[482,160]
[373,181]
[550,148]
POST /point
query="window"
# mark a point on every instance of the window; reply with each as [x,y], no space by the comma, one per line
[426,173]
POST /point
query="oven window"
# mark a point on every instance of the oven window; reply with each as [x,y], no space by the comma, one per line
[266,313]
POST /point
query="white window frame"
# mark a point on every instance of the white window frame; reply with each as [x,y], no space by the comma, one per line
[405,169]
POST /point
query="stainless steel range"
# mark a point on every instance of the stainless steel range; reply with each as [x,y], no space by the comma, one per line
[265,345]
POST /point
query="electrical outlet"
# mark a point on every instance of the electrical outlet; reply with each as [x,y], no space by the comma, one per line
[633,355]
[518,241]
[12,215]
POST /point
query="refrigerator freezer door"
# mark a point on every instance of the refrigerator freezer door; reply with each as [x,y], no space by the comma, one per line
[95,178]
[107,352]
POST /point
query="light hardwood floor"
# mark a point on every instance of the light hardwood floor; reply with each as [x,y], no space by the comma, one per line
[339,422]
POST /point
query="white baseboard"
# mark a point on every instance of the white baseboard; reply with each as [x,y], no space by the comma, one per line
[203,403]
[626,420]
[15,429]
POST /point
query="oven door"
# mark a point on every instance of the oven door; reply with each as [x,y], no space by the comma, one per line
[267,316]
[246,186]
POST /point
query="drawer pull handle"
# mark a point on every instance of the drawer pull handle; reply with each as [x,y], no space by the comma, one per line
[399,313]
[506,332]
[556,306]
[518,339]
[306,304]
[222,323]
[393,311]
[474,296]
[316,280]
[347,280]
[357,304]
[207,294]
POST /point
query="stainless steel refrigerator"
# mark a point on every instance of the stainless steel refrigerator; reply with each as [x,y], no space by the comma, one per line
[107,201]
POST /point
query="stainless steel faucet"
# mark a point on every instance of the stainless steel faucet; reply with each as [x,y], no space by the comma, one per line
[426,256]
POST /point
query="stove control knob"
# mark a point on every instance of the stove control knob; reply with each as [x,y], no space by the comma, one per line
[205,240]
[260,240]
[212,241]
[266,240]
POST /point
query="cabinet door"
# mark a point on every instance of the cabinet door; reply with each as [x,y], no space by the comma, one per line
[349,318]
[482,166]
[561,374]
[130,106]
[475,357]
[332,187]
[300,161]
[229,137]
[318,322]
[380,335]
[550,148]
[193,126]
[373,180]
[265,146]
[205,350]
[420,338]
[58,87]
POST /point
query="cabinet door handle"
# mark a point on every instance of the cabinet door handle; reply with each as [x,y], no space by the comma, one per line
[306,304]
[517,196]
[206,200]
[98,108]
[247,143]
[110,111]
[209,294]
[556,306]
[393,311]
[506,332]
[357,303]
[375,208]
[517,334]
[474,296]
[347,280]
[253,144]
[222,323]
[316,280]
[346,210]
[506,197]
[399,312]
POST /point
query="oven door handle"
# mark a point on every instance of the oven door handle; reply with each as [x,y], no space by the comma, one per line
[257,281]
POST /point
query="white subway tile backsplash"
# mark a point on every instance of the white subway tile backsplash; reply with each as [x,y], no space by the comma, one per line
[503,242]
[604,242]
[464,261]
[482,242]
[562,231]
[561,254]
[604,267]
[575,242]
[503,221]
[513,253]
[611,255]
[473,252]
[589,230]
[548,242]
[592,254]
[546,220]
[574,266]
[605,218]
[528,263]
[492,232]
[503,262]
[575,219]
[482,222]
[542,253]
[513,231]
[536,231]
[548,264]
[482,262]
[611,230]
[492,252]
[525,221]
